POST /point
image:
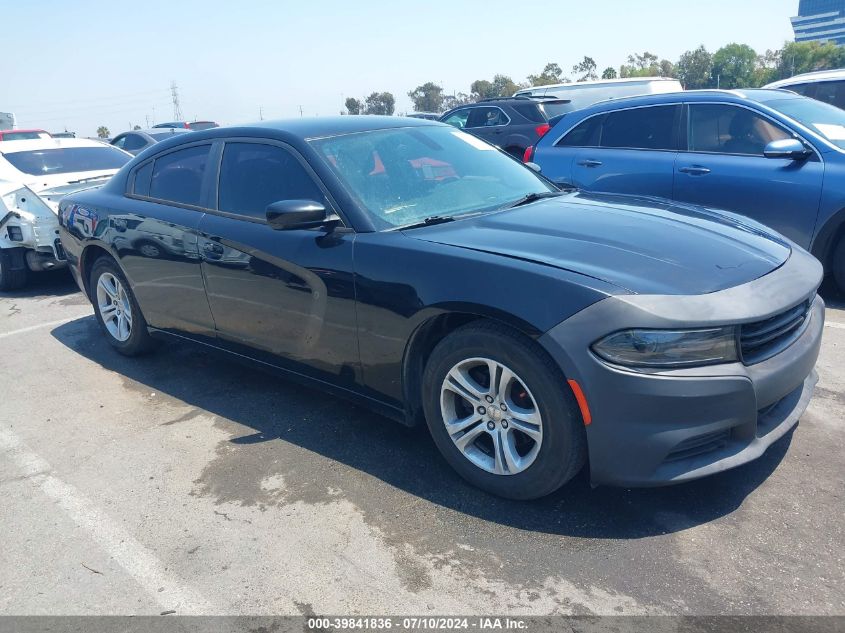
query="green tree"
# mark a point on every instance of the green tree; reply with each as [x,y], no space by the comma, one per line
[667,68]
[803,57]
[694,69]
[380,103]
[609,73]
[353,106]
[501,86]
[103,132]
[552,74]
[645,65]
[734,66]
[586,69]
[427,97]
[455,100]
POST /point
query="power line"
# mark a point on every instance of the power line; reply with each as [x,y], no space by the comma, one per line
[65,102]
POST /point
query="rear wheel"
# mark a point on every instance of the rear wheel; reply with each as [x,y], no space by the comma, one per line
[839,264]
[498,410]
[13,271]
[116,309]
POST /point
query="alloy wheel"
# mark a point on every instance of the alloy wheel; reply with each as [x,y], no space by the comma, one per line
[114,307]
[491,416]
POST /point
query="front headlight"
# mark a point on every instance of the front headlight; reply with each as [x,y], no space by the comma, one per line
[669,348]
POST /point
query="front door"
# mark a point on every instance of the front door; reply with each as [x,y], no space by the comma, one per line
[286,297]
[725,168]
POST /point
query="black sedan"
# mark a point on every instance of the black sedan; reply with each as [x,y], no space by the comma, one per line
[418,270]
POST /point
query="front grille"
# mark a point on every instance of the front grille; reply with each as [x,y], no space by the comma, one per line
[699,445]
[763,339]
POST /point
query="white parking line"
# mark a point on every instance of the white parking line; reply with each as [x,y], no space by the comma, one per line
[835,324]
[130,554]
[31,328]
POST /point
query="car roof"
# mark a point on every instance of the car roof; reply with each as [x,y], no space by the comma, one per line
[819,75]
[158,130]
[8,147]
[318,127]
[596,82]
[737,96]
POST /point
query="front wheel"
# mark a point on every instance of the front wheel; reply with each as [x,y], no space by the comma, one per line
[116,309]
[500,413]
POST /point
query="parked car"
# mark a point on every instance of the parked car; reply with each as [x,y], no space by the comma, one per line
[825,85]
[22,135]
[64,134]
[429,116]
[582,94]
[410,267]
[34,176]
[771,155]
[136,141]
[510,123]
[190,125]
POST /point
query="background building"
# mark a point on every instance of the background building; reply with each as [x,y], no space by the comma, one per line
[820,20]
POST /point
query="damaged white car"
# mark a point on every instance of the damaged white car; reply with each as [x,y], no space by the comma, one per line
[34,176]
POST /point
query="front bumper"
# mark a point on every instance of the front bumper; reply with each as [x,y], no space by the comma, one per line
[662,427]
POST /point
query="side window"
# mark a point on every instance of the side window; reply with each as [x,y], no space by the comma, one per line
[141,186]
[253,175]
[832,92]
[177,176]
[727,129]
[458,118]
[531,111]
[641,128]
[133,141]
[585,134]
[808,90]
[120,142]
[487,117]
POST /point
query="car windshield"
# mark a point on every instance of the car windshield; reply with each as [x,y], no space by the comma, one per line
[67,160]
[822,118]
[403,176]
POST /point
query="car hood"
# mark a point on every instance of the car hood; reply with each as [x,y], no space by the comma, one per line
[643,245]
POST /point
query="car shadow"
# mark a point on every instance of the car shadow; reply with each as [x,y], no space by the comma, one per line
[269,408]
[833,296]
[53,283]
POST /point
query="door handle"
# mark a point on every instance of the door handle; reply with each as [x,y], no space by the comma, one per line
[694,170]
[590,163]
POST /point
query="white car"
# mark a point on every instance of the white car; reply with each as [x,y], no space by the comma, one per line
[583,94]
[34,176]
[823,85]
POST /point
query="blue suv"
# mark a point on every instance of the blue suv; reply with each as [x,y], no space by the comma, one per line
[771,155]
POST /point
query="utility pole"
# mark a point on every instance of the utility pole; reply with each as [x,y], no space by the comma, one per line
[260,113]
[174,93]
[300,111]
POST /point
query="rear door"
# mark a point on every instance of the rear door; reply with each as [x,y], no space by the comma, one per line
[489,123]
[157,241]
[724,168]
[286,297]
[635,152]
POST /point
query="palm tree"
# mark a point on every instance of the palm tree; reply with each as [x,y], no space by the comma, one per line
[103,132]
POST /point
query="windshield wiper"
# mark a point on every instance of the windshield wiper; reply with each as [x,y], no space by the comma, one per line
[434,219]
[533,197]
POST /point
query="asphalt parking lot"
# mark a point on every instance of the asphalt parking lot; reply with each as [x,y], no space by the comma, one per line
[183,482]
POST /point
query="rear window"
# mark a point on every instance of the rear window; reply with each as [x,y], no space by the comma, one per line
[23,136]
[556,108]
[67,160]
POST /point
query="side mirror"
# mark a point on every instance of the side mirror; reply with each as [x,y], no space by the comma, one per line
[296,214]
[790,148]
[533,166]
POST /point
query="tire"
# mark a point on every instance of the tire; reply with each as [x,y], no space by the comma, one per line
[539,463]
[117,310]
[150,249]
[838,262]
[11,278]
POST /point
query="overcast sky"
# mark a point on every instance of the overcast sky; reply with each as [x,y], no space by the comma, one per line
[81,64]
